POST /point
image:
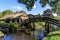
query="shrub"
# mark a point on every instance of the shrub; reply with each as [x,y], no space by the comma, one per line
[13,25]
[2,23]
[55,35]
[22,27]
[39,23]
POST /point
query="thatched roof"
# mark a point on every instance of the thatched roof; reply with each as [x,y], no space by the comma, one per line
[8,16]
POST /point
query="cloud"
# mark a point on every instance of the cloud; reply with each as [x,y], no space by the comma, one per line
[17,7]
[54,14]
[48,7]
[34,6]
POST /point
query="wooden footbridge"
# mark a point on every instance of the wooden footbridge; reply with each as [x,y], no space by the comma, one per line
[35,18]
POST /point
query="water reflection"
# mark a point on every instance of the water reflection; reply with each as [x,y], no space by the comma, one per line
[8,37]
[39,35]
[36,35]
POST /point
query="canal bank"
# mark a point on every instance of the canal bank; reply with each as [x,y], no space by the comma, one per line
[1,34]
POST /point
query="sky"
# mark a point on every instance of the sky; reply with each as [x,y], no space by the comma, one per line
[15,6]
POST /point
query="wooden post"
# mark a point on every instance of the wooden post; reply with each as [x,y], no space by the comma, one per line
[33,26]
[16,23]
[10,20]
[33,29]
[47,27]
[20,21]
[50,27]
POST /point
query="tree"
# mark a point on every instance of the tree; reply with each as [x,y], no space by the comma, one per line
[53,3]
[29,3]
[0,14]
[22,11]
[57,17]
[48,13]
[7,12]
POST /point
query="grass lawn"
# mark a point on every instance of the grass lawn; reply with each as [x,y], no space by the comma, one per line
[54,35]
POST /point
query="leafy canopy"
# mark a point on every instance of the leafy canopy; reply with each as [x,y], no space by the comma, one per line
[7,12]
[53,3]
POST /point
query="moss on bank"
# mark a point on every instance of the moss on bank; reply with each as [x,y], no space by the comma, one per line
[54,35]
[1,34]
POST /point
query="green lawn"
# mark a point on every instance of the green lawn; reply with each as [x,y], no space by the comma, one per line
[54,35]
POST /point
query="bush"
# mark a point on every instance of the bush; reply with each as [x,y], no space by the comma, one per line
[39,23]
[55,35]
[22,27]
[13,25]
[2,23]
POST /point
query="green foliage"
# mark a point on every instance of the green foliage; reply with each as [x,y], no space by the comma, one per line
[22,27]
[55,4]
[29,3]
[43,2]
[57,17]
[54,35]
[13,25]
[39,23]
[0,14]
[48,13]
[7,12]
[29,26]
[2,23]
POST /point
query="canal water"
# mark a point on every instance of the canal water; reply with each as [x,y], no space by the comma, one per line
[30,35]
[33,35]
